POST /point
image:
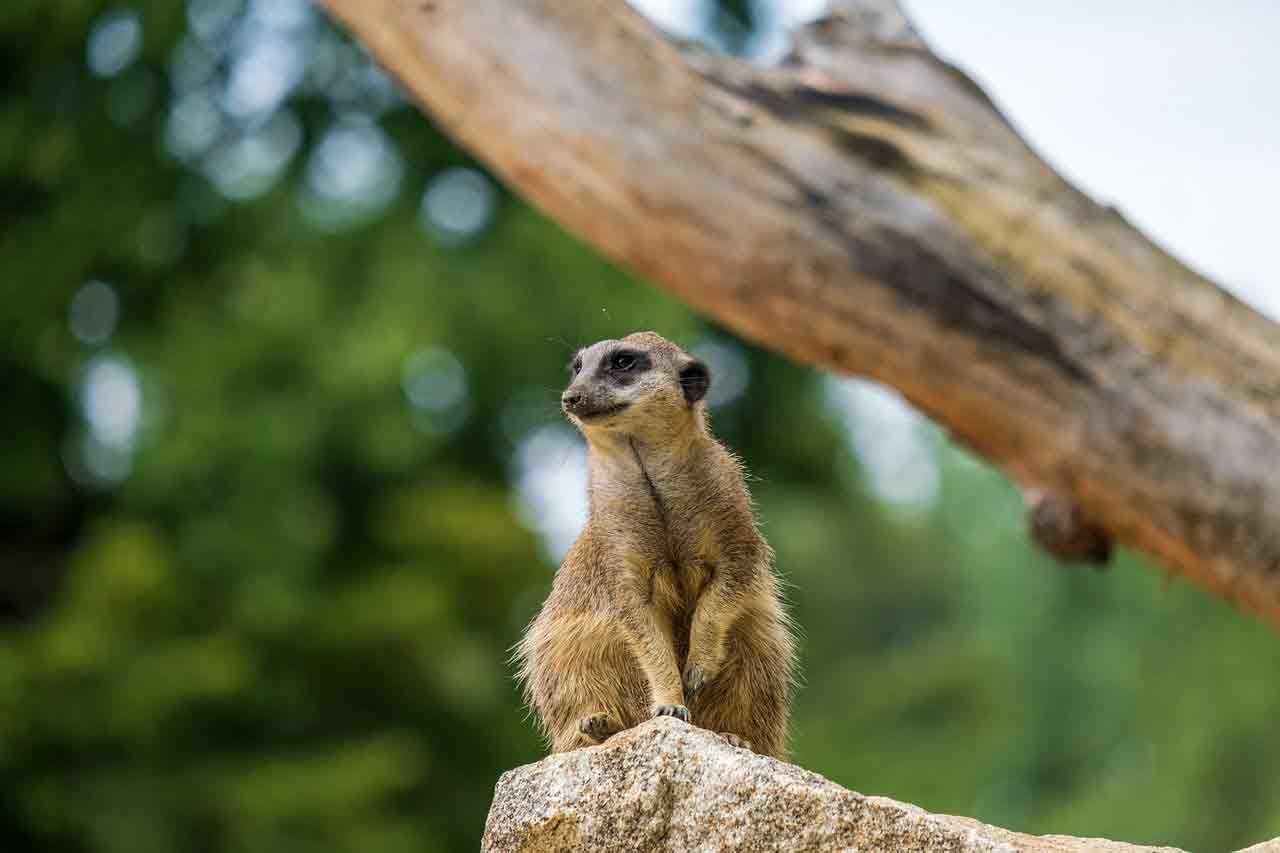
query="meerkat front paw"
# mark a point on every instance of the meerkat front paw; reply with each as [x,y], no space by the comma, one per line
[599,727]
[680,712]
[694,677]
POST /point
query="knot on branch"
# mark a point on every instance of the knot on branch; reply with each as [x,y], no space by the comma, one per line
[853,22]
[1057,525]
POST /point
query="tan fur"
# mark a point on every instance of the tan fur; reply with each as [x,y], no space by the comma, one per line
[668,598]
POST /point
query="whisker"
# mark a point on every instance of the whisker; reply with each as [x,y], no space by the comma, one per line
[556,339]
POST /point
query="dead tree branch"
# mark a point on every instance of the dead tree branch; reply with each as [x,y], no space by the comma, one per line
[865,208]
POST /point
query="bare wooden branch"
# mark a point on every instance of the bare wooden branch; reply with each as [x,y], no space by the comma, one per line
[865,208]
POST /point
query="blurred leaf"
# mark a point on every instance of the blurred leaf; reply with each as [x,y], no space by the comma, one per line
[330,784]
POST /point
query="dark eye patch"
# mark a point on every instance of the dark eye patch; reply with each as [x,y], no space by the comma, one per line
[574,366]
[628,362]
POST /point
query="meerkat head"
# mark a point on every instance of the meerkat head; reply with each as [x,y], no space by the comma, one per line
[640,384]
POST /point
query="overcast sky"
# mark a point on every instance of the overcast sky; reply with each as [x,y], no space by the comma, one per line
[1168,109]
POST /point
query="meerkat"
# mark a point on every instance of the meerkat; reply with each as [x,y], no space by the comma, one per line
[667,604]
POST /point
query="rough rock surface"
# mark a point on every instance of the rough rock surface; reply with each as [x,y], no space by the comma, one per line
[666,785]
[1272,846]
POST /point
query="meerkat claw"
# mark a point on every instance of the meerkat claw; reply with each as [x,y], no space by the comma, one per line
[680,712]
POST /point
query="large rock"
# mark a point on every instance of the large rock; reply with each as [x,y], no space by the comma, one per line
[1272,846]
[666,785]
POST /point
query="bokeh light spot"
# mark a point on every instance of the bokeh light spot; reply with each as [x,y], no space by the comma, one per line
[195,123]
[890,439]
[111,400]
[281,14]
[94,463]
[114,42]
[191,65]
[211,20]
[249,166]
[266,68]
[353,173]
[730,374]
[433,380]
[93,313]
[551,486]
[459,204]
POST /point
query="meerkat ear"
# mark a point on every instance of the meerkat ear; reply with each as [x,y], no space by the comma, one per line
[695,379]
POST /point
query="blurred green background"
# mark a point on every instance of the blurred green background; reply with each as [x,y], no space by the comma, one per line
[284,476]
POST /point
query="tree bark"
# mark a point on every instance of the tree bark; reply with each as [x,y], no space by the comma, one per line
[865,208]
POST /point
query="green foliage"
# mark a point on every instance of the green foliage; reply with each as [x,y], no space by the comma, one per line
[266,602]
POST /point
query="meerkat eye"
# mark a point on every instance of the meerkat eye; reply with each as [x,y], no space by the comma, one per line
[576,366]
[624,361]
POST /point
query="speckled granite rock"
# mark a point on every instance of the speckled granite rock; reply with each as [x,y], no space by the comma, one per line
[666,785]
[1272,846]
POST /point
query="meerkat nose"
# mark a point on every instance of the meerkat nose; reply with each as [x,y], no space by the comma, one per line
[571,399]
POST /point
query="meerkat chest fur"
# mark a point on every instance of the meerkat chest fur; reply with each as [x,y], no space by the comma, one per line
[668,511]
